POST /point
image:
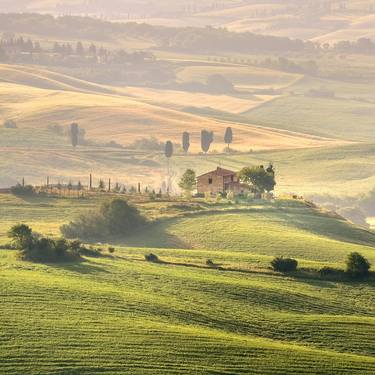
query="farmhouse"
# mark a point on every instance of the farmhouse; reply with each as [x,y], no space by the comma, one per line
[220,181]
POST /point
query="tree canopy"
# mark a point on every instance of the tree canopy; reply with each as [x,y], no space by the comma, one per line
[262,180]
[186,141]
[169,149]
[207,137]
[188,181]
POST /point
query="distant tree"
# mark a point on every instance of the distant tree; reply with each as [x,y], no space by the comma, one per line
[92,50]
[186,141]
[188,181]
[10,124]
[74,133]
[207,137]
[117,187]
[259,178]
[79,185]
[21,236]
[169,149]
[101,185]
[357,266]
[228,137]
[80,51]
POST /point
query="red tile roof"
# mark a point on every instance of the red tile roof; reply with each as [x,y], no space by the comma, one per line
[220,172]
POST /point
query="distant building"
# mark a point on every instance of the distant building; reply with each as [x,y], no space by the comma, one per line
[220,181]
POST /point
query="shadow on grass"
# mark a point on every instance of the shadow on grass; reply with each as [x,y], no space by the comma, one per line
[308,276]
[84,267]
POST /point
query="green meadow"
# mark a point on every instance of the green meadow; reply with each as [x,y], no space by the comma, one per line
[119,314]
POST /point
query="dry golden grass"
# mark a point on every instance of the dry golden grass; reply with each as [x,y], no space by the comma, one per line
[122,118]
[182,99]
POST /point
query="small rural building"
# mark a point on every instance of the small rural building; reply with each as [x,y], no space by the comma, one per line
[220,181]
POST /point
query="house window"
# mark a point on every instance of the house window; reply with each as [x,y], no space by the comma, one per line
[210,181]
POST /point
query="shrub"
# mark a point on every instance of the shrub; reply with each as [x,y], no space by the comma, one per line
[281,264]
[152,258]
[111,250]
[20,190]
[113,218]
[357,266]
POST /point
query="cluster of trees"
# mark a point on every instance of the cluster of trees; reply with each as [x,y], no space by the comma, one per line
[207,138]
[195,39]
[260,178]
[286,65]
[115,217]
[362,46]
[34,247]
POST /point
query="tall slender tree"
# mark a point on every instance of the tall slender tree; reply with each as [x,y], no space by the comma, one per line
[74,133]
[207,137]
[186,141]
[228,137]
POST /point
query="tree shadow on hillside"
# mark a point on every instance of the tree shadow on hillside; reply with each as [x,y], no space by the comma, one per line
[152,236]
[84,267]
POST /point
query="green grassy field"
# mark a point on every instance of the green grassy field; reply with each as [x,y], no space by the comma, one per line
[119,314]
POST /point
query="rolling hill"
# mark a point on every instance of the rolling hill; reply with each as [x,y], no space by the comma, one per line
[118,313]
[36,98]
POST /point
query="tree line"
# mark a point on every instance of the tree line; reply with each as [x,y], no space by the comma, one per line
[18,49]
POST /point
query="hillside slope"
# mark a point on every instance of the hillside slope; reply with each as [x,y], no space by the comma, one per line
[120,314]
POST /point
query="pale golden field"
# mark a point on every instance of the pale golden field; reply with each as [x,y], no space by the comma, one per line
[113,116]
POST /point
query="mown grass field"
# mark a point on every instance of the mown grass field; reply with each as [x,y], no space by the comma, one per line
[119,314]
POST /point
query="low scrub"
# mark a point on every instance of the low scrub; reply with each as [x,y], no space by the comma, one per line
[281,264]
[114,218]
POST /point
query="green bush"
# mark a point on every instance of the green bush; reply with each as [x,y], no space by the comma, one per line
[114,218]
[41,249]
[281,264]
[152,258]
[357,266]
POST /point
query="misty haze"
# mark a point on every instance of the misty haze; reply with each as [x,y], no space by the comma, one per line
[187,187]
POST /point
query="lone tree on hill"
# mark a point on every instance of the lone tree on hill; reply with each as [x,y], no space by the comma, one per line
[262,180]
[74,133]
[188,181]
[186,141]
[228,137]
[207,138]
[357,266]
